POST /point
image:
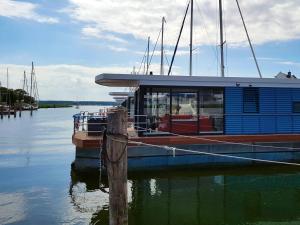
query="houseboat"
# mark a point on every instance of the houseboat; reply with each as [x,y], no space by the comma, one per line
[200,105]
[256,118]
[239,117]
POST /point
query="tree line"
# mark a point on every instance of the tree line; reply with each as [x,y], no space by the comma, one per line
[11,96]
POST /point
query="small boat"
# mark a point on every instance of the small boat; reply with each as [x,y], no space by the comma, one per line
[5,109]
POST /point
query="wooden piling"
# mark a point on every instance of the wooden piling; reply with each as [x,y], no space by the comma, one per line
[15,112]
[1,112]
[116,147]
[20,108]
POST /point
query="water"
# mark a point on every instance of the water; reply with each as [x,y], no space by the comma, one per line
[37,185]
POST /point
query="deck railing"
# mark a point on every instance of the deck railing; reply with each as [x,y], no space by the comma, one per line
[92,123]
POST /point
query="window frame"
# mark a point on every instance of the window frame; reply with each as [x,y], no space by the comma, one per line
[294,106]
[257,99]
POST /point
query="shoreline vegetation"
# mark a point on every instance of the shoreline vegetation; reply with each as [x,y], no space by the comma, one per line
[14,98]
[49,106]
[67,104]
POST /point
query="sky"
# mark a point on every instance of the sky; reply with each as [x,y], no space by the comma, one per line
[72,41]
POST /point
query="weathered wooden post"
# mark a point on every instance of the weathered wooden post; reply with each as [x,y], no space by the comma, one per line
[15,112]
[116,147]
[1,112]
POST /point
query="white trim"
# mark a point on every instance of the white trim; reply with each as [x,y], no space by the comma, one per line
[121,94]
[130,80]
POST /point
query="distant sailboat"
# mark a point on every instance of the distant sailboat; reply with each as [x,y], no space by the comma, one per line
[34,94]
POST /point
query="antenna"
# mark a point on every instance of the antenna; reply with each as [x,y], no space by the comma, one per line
[162,46]
[191,37]
[221,39]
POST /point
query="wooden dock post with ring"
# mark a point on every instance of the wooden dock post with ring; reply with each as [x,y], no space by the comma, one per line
[116,147]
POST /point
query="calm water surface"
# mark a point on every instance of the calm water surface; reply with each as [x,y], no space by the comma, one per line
[37,185]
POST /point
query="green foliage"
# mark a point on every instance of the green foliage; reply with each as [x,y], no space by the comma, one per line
[12,97]
[46,106]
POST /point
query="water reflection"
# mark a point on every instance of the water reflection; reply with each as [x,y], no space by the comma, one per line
[12,208]
[247,197]
[36,186]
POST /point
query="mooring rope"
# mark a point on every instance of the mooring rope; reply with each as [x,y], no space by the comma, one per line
[173,149]
[123,151]
[225,142]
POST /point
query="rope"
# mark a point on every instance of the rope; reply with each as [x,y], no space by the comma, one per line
[142,61]
[215,154]
[228,142]
[154,47]
[174,149]
[123,151]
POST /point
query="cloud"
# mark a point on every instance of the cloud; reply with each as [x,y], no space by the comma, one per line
[289,63]
[63,82]
[68,82]
[98,33]
[267,20]
[279,61]
[24,10]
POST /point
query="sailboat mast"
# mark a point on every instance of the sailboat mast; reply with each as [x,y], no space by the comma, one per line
[221,39]
[191,37]
[7,86]
[162,47]
[178,39]
[24,80]
[148,50]
[31,82]
[249,40]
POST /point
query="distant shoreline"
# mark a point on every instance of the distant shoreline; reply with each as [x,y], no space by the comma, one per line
[50,106]
[60,104]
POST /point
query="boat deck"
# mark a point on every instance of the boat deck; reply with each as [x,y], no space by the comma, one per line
[82,140]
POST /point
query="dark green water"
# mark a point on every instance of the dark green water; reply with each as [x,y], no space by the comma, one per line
[37,185]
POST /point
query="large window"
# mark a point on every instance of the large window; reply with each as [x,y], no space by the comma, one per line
[156,110]
[211,110]
[184,112]
[251,100]
[163,111]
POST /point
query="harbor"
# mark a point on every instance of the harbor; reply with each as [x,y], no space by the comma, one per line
[140,113]
[36,174]
[13,102]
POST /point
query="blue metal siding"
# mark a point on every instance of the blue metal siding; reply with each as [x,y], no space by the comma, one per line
[267,100]
[296,123]
[233,124]
[284,124]
[234,95]
[296,94]
[275,112]
[267,124]
[283,101]
[250,125]
[233,107]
